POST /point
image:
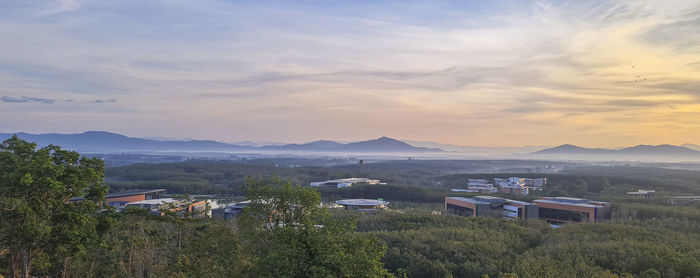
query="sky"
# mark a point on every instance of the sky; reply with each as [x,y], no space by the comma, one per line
[482,73]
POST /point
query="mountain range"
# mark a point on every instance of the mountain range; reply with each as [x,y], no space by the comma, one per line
[636,152]
[101,141]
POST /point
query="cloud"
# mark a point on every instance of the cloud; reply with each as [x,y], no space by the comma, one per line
[439,70]
[24,99]
[60,6]
[104,101]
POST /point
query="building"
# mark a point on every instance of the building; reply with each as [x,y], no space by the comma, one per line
[119,199]
[684,200]
[644,194]
[510,185]
[488,188]
[477,181]
[229,211]
[559,210]
[538,182]
[488,206]
[463,190]
[341,183]
[500,182]
[185,208]
[363,204]
[516,181]
[515,190]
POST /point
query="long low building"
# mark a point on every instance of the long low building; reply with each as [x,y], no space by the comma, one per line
[341,183]
[119,199]
[362,204]
[555,210]
[488,206]
[684,200]
[559,210]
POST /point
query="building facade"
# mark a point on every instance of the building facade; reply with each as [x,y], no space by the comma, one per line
[488,206]
[559,210]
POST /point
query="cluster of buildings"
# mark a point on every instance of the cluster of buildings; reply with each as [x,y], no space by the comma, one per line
[555,210]
[341,183]
[511,185]
[151,200]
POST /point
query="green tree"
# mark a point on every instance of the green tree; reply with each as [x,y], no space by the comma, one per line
[38,219]
[213,252]
[290,235]
[650,273]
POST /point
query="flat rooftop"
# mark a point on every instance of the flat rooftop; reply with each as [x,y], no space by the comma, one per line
[154,201]
[133,192]
[361,202]
[487,200]
[470,200]
[125,193]
[570,201]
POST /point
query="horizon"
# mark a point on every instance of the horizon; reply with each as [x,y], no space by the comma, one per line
[404,140]
[493,74]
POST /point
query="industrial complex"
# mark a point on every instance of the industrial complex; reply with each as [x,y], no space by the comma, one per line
[511,185]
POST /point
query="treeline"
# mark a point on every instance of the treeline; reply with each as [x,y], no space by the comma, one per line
[223,177]
[423,245]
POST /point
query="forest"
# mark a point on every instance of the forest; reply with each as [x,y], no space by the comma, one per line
[285,233]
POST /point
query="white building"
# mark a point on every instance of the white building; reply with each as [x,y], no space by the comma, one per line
[341,183]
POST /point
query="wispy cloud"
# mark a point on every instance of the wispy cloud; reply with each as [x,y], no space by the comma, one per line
[24,99]
[104,101]
[466,72]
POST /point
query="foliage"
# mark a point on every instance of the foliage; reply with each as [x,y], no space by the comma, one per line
[307,243]
[38,221]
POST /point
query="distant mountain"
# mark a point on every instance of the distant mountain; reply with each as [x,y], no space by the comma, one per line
[478,150]
[636,152]
[571,149]
[383,144]
[691,146]
[101,141]
[321,145]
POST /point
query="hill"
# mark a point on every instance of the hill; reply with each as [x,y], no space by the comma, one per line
[101,141]
[384,144]
[379,145]
[691,146]
[642,152]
